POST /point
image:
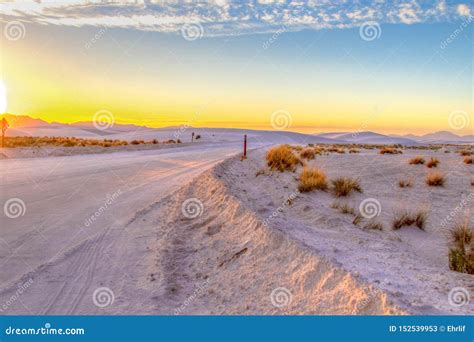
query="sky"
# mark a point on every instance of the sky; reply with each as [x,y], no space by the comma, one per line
[387,66]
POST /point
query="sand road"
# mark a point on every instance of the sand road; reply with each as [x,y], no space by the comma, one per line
[69,237]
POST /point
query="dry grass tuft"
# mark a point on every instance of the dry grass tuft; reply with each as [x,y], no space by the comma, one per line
[469,160]
[282,158]
[465,153]
[308,153]
[343,208]
[374,225]
[416,161]
[312,179]
[406,218]
[402,183]
[389,150]
[433,162]
[60,142]
[435,179]
[344,186]
[353,150]
[461,249]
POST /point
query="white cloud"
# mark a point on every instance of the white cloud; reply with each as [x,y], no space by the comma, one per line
[224,17]
[464,10]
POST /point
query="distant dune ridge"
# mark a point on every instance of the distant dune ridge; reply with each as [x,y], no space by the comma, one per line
[22,125]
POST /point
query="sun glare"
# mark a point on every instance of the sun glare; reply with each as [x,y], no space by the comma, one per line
[3,97]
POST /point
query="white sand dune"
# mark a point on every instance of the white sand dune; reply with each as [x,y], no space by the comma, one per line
[307,259]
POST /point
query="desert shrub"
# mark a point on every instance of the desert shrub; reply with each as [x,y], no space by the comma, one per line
[198,137]
[344,186]
[465,153]
[416,161]
[406,218]
[461,249]
[469,160]
[343,208]
[353,150]
[307,153]
[374,225]
[154,141]
[435,179]
[389,150]
[433,162]
[312,179]
[405,183]
[282,158]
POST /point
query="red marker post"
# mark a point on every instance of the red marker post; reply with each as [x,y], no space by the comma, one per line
[245,146]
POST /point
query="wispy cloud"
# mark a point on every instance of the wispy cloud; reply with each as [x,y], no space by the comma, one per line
[222,17]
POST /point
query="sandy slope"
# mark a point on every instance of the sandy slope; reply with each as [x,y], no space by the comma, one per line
[55,245]
[307,259]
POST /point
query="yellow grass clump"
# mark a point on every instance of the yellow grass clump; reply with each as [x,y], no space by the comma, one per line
[469,160]
[435,179]
[308,153]
[416,161]
[312,179]
[344,186]
[282,158]
[461,249]
[433,162]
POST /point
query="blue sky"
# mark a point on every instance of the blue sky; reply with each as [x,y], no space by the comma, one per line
[331,64]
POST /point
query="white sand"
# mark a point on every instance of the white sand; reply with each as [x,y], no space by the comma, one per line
[226,261]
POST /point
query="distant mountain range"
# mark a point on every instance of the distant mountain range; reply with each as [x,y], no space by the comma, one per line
[22,125]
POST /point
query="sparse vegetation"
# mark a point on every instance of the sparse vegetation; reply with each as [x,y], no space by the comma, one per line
[416,161]
[433,162]
[461,250]
[353,150]
[282,158]
[469,160]
[344,186]
[374,225]
[307,153]
[60,142]
[343,208]
[389,150]
[466,153]
[312,179]
[405,183]
[406,218]
[435,179]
